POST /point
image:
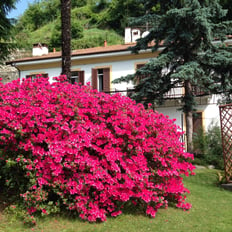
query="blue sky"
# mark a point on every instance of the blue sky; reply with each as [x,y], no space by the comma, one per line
[21,6]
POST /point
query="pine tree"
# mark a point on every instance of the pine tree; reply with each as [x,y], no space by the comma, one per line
[186,30]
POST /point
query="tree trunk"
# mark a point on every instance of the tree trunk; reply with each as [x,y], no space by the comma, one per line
[189,116]
[66,37]
[189,131]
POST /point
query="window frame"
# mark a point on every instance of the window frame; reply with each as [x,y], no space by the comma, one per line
[106,79]
[35,76]
[80,77]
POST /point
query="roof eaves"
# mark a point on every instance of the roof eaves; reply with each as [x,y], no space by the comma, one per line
[80,52]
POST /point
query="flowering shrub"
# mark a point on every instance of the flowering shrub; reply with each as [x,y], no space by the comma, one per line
[88,152]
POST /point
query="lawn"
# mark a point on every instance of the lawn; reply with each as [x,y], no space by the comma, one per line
[211,211]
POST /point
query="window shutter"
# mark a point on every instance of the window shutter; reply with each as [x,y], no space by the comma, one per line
[197,122]
[139,78]
[81,75]
[94,78]
[138,66]
[45,75]
[106,80]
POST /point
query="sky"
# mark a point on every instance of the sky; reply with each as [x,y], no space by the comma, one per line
[21,6]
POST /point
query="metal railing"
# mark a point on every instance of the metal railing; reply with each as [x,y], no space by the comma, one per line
[175,93]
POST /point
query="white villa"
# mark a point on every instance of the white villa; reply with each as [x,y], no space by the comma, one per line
[101,65]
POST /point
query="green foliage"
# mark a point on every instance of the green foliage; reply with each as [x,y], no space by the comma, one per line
[17,213]
[45,25]
[13,178]
[211,207]
[226,4]
[76,33]
[6,45]
[81,13]
[118,13]
[76,30]
[185,31]
[104,14]
[55,41]
[76,3]
[38,14]
[208,147]
[96,38]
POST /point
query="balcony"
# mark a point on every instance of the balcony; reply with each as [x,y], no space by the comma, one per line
[175,93]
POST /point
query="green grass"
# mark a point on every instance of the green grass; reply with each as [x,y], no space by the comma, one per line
[111,36]
[211,211]
[92,37]
[42,35]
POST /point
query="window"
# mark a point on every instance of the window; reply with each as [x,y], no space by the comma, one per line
[77,77]
[37,75]
[138,66]
[197,122]
[197,91]
[74,77]
[101,79]
[135,32]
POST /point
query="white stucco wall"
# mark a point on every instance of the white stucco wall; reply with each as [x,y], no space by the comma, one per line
[118,69]
[173,113]
[52,72]
[210,114]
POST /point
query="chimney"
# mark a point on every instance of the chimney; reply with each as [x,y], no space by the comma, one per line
[127,35]
[136,34]
[131,35]
[39,49]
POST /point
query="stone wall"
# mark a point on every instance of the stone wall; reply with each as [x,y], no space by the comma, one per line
[8,73]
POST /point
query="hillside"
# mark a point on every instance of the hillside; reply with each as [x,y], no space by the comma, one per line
[93,22]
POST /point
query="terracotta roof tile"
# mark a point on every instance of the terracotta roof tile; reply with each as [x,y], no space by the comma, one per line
[86,51]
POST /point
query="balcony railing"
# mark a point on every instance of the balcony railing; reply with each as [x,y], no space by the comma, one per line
[175,93]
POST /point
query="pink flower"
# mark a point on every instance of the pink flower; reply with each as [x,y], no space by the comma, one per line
[90,150]
[44,211]
[115,214]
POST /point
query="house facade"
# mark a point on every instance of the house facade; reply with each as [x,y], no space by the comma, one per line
[99,66]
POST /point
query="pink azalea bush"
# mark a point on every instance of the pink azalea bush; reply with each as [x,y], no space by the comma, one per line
[89,152]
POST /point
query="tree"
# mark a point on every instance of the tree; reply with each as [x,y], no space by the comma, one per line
[226,4]
[38,14]
[76,33]
[5,28]
[118,13]
[76,3]
[186,31]
[66,37]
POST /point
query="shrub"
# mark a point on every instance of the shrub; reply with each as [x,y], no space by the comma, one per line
[88,152]
[208,147]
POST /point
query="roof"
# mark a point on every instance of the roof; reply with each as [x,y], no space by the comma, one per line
[87,51]
[78,52]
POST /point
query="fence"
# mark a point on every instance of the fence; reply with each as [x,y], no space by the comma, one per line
[226,131]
